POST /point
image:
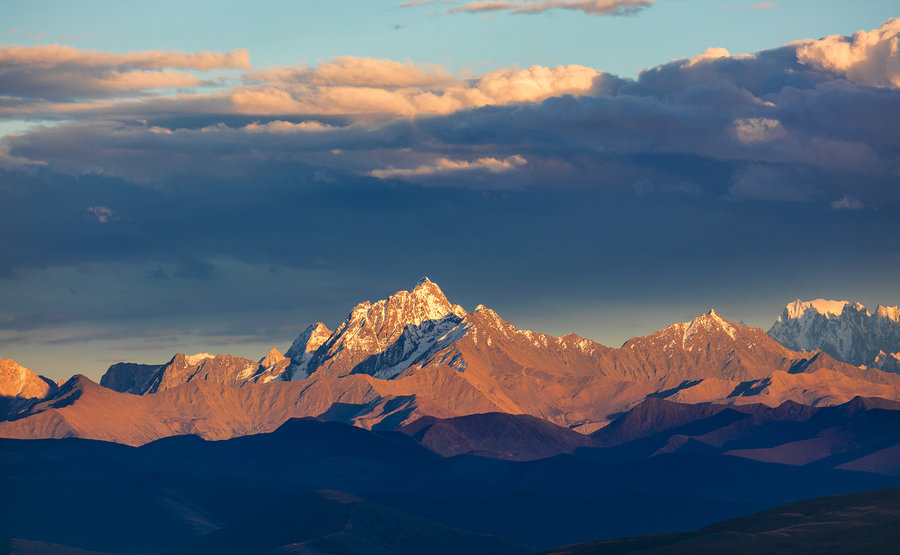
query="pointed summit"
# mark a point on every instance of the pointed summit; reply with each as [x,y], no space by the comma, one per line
[271,359]
[709,320]
[308,341]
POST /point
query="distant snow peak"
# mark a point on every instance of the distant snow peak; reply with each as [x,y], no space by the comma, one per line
[798,308]
[843,329]
[425,302]
[309,340]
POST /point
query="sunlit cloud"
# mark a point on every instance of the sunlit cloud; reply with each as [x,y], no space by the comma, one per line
[35,75]
[591,7]
[869,57]
[446,165]
[283,127]
[355,86]
[51,55]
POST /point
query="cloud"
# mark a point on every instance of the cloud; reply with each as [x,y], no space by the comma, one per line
[847,202]
[764,6]
[591,7]
[758,182]
[755,130]
[53,55]
[868,57]
[359,72]
[102,214]
[716,124]
[361,86]
[284,127]
[446,165]
[77,37]
[8,161]
[64,81]
[35,76]
[417,3]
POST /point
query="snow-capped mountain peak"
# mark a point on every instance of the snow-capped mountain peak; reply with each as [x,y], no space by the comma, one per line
[845,330]
[798,308]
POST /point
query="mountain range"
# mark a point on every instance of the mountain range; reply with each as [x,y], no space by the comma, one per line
[843,329]
[416,426]
[415,354]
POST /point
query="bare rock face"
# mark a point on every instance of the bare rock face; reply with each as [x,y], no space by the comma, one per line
[129,377]
[18,381]
[140,379]
[843,329]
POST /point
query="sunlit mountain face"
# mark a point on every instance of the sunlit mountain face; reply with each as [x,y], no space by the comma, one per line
[211,336]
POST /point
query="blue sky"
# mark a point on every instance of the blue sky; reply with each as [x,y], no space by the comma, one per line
[184,177]
[287,31]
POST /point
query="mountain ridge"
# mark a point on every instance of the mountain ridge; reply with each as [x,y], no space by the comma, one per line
[416,354]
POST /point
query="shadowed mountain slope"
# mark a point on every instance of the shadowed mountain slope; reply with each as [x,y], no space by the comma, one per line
[858,523]
[496,435]
[114,498]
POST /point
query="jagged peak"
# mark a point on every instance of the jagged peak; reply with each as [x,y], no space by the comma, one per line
[889,312]
[426,301]
[825,307]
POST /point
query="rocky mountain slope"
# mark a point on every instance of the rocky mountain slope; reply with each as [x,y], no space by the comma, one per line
[18,381]
[845,330]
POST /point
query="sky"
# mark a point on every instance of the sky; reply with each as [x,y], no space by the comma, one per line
[213,177]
